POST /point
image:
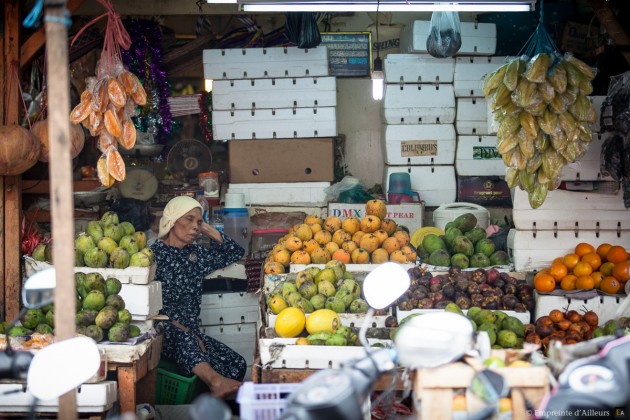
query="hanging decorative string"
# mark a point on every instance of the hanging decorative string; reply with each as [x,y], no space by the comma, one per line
[205,116]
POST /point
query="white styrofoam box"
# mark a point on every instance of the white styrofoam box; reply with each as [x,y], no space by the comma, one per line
[283,353]
[435,184]
[91,398]
[418,68]
[303,92]
[274,123]
[524,317]
[257,63]
[533,250]
[229,308]
[142,300]
[347,319]
[233,271]
[588,168]
[419,104]
[597,101]
[239,337]
[477,38]
[571,210]
[228,300]
[409,215]
[470,73]
[430,144]
[604,306]
[290,194]
[478,156]
[472,116]
[134,275]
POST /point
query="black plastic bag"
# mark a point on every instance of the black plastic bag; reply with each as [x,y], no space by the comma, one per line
[302,29]
[133,211]
[445,35]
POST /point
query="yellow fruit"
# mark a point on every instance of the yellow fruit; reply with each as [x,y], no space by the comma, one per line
[290,322]
[304,232]
[277,304]
[370,224]
[272,267]
[320,256]
[283,257]
[519,363]
[322,320]
[302,341]
[323,237]
[376,208]
[332,224]
[380,255]
[351,225]
[310,219]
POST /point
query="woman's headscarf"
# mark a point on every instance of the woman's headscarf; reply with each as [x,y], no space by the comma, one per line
[175,209]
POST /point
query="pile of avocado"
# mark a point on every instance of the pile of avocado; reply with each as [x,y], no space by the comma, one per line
[463,245]
[505,332]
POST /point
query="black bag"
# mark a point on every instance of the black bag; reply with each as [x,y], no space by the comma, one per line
[133,211]
[445,36]
[302,29]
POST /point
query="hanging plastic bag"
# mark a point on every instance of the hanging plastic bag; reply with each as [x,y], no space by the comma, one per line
[302,29]
[445,35]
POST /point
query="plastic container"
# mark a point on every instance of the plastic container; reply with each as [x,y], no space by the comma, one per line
[172,388]
[205,207]
[400,183]
[263,401]
[449,212]
[209,181]
[264,239]
[217,221]
[234,200]
[236,226]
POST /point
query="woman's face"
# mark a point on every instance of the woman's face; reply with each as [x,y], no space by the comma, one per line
[187,227]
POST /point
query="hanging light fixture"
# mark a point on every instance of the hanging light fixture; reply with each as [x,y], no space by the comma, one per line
[378,77]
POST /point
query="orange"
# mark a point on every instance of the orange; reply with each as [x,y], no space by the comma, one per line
[544,282]
[568,282]
[592,259]
[558,270]
[582,269]
[607,268]
[610,285]
[616,254]
[557,260]
[621,271]
[602,250]
[570,260]
[583,248]
[598,277]
[584,282]
[541,272]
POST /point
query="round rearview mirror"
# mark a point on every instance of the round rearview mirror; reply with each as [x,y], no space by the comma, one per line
[39,289]
[386,283]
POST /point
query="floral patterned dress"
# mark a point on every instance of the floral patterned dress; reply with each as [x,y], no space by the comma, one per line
[181,272]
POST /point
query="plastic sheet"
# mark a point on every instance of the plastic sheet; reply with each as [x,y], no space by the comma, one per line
[445,37]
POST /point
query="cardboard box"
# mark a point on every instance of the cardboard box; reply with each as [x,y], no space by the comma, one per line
[409,214]
[484,190]
[283,160]
[580,38]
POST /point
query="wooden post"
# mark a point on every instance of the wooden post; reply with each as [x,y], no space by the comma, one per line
[60,170]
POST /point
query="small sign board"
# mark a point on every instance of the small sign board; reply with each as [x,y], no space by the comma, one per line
[349,53]
[419,148]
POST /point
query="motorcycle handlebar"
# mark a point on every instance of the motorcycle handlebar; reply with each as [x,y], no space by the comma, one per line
[15,365]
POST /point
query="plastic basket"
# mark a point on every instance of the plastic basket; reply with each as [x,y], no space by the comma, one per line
[173,388]
[263,401]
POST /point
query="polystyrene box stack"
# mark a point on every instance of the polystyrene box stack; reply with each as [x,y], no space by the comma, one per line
[271,93]
[419,134]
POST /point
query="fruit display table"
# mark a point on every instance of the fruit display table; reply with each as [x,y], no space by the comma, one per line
[136,368]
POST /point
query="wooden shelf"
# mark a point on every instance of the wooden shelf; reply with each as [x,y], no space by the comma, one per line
[43,186]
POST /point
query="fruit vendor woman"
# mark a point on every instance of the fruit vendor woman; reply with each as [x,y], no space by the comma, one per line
[181,267]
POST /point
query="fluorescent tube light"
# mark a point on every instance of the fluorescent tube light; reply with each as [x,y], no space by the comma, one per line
[386,7]
[208,85]
[378,78]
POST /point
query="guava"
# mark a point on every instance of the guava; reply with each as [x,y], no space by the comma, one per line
[128,228]
[476,234]
[129,243]
[432,243]
[95,300]
[485,247]
[465,222]
[479,260]
[463,245]
[95,258]
[119,258]
[440,257]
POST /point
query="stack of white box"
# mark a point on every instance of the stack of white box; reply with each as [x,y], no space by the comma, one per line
[419,134]
[272,93]
[476,148]
[567,218]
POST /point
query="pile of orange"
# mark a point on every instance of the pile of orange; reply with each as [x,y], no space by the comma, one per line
[606,267]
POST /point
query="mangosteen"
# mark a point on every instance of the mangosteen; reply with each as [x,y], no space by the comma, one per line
[435,280]
[463,302]
[524,290]
[435,287]
[449,291]
[467,275]
[425,304]
[520,307]
[415,272]
[473,288]
[431,296]
[438,297]
[498,292]
[424,282]
[511,280]
[479,276]
[454,270]
[405,305]
[422,289]
[509,301]
[419,294]
[391,322]
[426,275]
[492,275]
[504,276]
[414,282]
[442,304]
[530,303]
[499,283]
[483,287]
[488,292]
[460,276]
[462,285]
[414,302]
[510,289]
[476,299]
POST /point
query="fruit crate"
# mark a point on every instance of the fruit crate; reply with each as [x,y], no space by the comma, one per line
[347,319]
[353,268]
[605,306]
[129,275]
[263,401]
[283,353]
[173,388]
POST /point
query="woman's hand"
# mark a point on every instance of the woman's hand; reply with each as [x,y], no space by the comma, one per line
[222,387]
[211,232]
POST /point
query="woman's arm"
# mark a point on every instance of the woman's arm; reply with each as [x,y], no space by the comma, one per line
[211,232]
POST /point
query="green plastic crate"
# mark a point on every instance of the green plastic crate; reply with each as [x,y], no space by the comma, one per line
[172,388]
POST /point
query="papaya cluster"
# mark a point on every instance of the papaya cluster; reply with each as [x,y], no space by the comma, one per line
[543,111]
[487,289]
[463,245]
[105,243]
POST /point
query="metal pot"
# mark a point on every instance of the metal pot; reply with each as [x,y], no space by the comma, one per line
[89,198]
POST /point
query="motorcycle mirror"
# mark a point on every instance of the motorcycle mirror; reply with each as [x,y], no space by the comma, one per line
[62,366]
[489,386]
[386,283]
[433,339]
[39,289]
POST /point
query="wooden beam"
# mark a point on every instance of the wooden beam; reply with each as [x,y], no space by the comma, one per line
[608,20]
[3,91]
[36,41]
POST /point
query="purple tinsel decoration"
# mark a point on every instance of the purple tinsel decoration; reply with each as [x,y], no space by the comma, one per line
[144,58]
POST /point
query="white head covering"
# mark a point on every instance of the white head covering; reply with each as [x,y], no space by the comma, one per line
[175,209]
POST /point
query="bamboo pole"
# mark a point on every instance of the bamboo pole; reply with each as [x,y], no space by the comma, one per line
[60,170]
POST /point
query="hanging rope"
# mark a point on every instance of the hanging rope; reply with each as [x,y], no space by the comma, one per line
[540,41]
